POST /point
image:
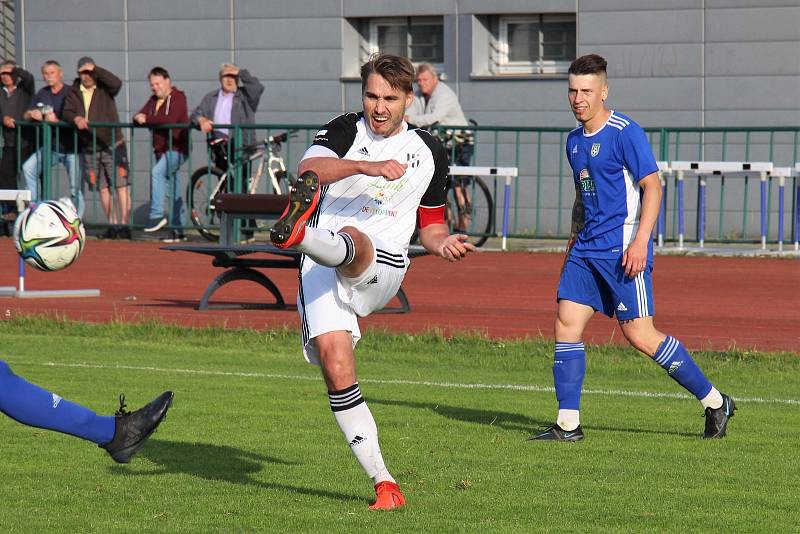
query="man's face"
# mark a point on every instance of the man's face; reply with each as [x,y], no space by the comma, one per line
[229,83]
[6,78]
[384,106]
[427,82]
[87,78]
[52,75]
[160,86]
[586,95]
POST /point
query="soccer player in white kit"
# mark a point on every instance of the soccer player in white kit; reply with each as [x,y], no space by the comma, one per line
[364,183]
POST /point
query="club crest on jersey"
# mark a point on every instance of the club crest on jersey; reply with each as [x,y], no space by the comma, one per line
[595,149]
[412,160]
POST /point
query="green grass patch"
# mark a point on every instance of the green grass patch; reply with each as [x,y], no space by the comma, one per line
[250,443]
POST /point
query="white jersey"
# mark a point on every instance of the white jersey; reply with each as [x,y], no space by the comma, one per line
[378,207]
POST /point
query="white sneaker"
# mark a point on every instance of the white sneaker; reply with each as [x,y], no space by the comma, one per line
[156,225]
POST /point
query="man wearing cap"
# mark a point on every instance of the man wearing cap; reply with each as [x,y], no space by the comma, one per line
[103,149]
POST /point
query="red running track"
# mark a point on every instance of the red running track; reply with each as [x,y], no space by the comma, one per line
[707,302]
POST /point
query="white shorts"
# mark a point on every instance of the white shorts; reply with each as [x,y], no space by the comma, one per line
[328,301]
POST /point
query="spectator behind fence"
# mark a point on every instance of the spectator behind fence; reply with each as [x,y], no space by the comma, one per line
[48,106]
[434,102]
[18,89]
[235,102]
[92,99]
[170,147]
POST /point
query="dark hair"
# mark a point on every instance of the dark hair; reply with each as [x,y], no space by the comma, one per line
[588,64]
[397,71]
[52,62]
[158,71]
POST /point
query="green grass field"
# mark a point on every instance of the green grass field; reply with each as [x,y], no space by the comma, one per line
[250,443]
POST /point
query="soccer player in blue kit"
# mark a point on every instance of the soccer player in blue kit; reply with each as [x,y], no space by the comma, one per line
[121,435]
[609,261]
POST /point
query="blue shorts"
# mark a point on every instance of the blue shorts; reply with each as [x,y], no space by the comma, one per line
[602,284]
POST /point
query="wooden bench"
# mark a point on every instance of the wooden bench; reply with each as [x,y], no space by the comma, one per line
[239,263]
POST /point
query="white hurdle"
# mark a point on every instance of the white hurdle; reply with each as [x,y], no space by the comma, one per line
[701,169]
[508,172]
[21,196]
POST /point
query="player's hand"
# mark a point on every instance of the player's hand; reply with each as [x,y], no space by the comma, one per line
[455,247]
[35,114]
[9,121]
[81,123]
[634,259]
[140,118]
[572,239]
[389,169]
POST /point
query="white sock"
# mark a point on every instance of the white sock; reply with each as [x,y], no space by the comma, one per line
[359,429]
[568,419]
[327,248]
[713,400]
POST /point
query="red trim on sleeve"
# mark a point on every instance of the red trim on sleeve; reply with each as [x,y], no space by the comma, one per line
[427,216]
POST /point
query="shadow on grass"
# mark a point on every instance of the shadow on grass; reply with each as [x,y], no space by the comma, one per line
[505,420]
[510,421]
[220,463]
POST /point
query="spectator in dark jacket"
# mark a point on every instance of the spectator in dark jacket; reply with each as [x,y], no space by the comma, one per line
[104,154]
[48,107]
[235,102]
[170,147]
[15,97]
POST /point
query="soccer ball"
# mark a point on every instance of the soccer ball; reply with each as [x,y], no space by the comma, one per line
[49,235]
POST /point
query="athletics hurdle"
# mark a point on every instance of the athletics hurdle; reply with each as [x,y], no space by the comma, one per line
[663,168]
[22,196]
[508,172]
[701,169]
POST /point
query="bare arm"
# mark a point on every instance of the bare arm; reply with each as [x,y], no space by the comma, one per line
[437,240]
[332,170]
[578,221]
[634,259]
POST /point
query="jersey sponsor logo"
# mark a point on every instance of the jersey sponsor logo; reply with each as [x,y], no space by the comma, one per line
[372,210]
[412,160]
[595,149]
[363,151]
[586,182]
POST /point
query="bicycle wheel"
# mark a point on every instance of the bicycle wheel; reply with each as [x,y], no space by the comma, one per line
[473,209]
[201,209]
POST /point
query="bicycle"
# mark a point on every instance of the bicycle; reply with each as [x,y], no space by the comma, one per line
[210,180]
[470,205]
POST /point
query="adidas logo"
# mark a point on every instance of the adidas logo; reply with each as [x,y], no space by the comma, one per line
[674,367]
[374,280]
[621,307]
[574,149]
[363,150]
[356,440]
[56,400]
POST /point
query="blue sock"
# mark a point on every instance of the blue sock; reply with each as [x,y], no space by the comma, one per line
[675,359]
[569,367]
[31,405]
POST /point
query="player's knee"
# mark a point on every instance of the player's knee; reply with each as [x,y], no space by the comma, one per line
[637,340]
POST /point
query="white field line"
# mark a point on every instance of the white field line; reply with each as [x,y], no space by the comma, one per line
[425,383]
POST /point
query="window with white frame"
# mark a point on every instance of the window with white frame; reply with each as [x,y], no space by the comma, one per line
[534,44]
[420,39]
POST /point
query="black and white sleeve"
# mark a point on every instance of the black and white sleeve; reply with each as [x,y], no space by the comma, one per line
[338,135]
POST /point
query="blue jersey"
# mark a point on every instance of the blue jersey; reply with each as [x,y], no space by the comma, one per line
[607,166]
